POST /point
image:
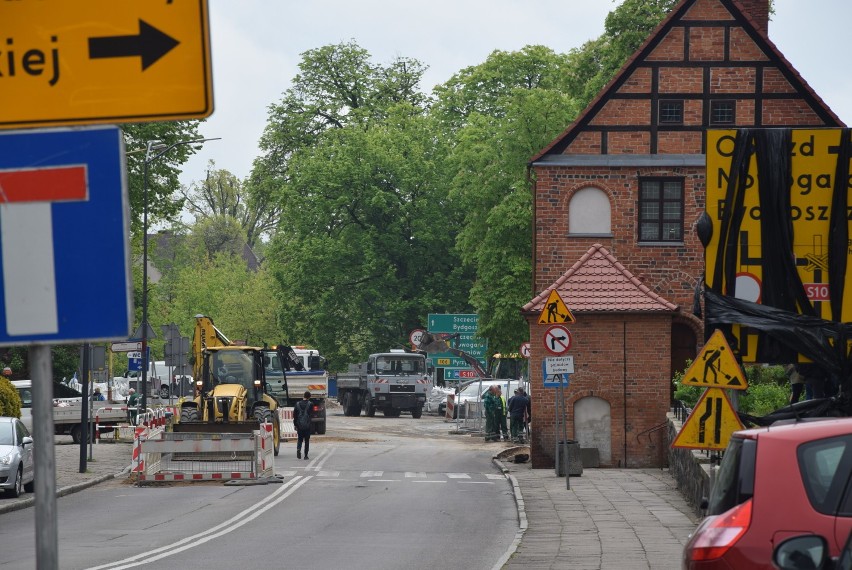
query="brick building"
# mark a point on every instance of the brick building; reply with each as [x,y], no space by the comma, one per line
[616,199]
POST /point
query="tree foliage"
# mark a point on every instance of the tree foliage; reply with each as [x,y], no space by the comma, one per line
[500,114]
[163,172]
[223,198]
[242,303]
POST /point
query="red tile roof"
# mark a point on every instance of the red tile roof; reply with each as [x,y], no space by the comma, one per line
[598,282]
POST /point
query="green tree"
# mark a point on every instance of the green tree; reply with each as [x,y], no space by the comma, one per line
[162,173]
[365,250]
[222,196]
[243,303]
[499,114]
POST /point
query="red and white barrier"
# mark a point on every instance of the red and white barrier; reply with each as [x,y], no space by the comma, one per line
[287,429]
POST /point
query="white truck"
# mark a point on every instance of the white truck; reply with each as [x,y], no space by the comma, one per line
[392,382]
[67,410]
[292,371]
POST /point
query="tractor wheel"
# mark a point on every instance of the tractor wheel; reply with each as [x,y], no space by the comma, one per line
[188,415]
[164,391]
[369,409]
[417,412]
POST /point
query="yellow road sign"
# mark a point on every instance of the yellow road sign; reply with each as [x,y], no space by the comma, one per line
[102,61]
[555,310]
[710,424]
[813,163]
[716,366]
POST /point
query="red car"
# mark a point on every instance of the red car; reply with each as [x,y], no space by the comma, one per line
[775,483]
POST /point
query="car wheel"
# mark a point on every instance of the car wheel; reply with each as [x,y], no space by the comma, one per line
[17,488]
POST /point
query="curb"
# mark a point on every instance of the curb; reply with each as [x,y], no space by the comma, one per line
[30,501]
[523,523]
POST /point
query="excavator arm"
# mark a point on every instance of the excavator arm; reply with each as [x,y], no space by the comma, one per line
[435,343]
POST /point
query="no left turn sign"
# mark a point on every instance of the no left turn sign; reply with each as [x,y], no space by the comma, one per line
[557,340]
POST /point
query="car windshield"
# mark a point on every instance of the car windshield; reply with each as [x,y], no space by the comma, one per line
[400,365]
[472,390]
[6,437]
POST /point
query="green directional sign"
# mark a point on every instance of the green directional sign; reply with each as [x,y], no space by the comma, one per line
[453,323]
[465,325]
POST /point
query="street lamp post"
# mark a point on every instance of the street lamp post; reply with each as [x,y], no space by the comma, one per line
[153,150]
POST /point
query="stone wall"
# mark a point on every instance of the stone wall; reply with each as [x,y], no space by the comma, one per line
[689,468]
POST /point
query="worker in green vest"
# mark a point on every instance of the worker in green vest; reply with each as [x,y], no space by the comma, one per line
[491,402]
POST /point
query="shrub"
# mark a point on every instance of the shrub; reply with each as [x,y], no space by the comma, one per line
[10,401]
[768,390]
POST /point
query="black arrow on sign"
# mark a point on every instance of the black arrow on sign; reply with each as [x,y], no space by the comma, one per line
[150,44]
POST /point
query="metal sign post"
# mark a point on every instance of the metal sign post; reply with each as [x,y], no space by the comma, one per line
[46,536]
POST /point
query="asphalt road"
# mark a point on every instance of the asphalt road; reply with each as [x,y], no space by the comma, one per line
[377,493]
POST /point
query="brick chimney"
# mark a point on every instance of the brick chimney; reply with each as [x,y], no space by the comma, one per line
[758,11]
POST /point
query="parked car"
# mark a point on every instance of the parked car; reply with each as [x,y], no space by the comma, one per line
[16,457]
[790,479]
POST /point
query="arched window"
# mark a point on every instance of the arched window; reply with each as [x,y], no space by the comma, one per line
[589,212]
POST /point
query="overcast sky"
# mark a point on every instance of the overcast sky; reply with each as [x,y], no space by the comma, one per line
[257,46]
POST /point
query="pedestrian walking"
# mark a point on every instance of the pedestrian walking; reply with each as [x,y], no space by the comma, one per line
[491,404]
[302,422]
[517,415]
[501,417]
[97,396]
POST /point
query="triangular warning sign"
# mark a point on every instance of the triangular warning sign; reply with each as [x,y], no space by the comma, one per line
[716,367]
[710,424]
[555,310]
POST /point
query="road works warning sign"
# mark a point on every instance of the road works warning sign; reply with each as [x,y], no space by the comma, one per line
[710,424]
[713,419]
[715,366]
[555,310]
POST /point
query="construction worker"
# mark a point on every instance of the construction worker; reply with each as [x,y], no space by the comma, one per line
[517,413]
[491,403]
[501,416]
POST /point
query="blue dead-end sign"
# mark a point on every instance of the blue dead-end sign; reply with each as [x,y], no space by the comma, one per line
[64,236]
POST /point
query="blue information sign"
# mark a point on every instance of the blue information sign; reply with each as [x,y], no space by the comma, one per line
[554,380]
[64,232]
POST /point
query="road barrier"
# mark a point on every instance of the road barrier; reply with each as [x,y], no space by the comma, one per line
[285,424]
[160,456]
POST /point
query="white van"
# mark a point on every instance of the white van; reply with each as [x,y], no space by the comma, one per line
[469,397]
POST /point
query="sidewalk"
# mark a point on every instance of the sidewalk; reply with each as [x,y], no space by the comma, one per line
[609,519]
[108,460]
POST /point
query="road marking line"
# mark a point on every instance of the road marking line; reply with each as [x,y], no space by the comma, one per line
[458,475]
[384,480]
[415,473]
[220,529]
[428,481]
[372,473]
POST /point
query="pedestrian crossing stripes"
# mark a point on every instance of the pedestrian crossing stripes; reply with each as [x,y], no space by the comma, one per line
[398,477]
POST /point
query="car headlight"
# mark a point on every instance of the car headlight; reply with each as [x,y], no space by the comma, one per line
[6,460]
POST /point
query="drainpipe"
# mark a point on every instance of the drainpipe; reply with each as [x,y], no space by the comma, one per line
[624,395]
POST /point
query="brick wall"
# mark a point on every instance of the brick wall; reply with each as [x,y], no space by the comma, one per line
[614,356]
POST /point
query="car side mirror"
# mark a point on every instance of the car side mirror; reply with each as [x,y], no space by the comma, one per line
[802,552]
[26,440]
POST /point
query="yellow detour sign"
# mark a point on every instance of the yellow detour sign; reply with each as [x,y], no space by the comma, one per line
[102,61]
[813,157]
[710,424]
[715,366]
[555,310]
